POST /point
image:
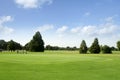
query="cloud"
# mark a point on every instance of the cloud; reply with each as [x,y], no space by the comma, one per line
[89,30]
[4,19]
[45,28]
[62,29]
[108,28]
[100,30]
[75,30]
[84,30]
[4,29]
[33,3]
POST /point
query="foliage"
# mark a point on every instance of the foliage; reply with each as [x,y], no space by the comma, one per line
[26,47]
[37,43]
[49,47]
[106,49]
[12,46]
[83,47]
[113,48]
[95,48]
[118,45]
[3,45]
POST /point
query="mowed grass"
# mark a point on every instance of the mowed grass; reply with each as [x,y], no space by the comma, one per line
[59,65]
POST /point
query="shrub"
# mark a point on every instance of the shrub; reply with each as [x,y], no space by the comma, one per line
[106,49]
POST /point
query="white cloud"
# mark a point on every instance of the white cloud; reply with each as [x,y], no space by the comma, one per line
[32,3]
[62,29]
[4,29]
[101,30]
[5,19]
[85,30]
[76,29]
[108,28]
[45,28]
[89,30]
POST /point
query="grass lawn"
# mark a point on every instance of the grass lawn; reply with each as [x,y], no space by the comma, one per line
[59,65]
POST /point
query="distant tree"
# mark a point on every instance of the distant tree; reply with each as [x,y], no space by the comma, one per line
[37,43]
[118,45]
[48,47]
[18,46]
[55,48]
[106,49]
[83,47]
[68,48]
[113,48]
[95,48]
[74,48]
[26,47]
[12,45]
[3,45]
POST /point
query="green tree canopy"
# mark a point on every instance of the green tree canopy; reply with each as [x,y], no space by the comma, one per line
[118,45]
[37,43]
[95,48]
[106,49]
[83,47]
[12,46]
[3,45]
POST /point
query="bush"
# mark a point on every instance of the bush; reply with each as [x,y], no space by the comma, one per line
[106,49]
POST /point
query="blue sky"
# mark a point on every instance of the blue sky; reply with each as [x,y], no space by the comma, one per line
[61,22]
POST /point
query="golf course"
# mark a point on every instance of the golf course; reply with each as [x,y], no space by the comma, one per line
[59,65]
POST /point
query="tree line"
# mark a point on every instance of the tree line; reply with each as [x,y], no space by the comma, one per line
[95,48]
[37,45]
[49,47]
[10,45]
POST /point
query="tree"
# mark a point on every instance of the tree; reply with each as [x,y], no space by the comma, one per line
[26,47]
[3,45]
[118,45]
[114,48]
[48,47]
[83,47]
[106,49]
[18,46]
[37,43]
[95,48]
[12,46]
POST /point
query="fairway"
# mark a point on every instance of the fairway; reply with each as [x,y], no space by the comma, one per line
[59,65]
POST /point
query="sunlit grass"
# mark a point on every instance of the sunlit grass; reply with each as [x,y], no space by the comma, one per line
[59,65]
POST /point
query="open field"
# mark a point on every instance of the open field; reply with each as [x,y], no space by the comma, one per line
[59,65]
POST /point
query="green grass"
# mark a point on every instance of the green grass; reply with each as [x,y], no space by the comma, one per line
[59,65]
